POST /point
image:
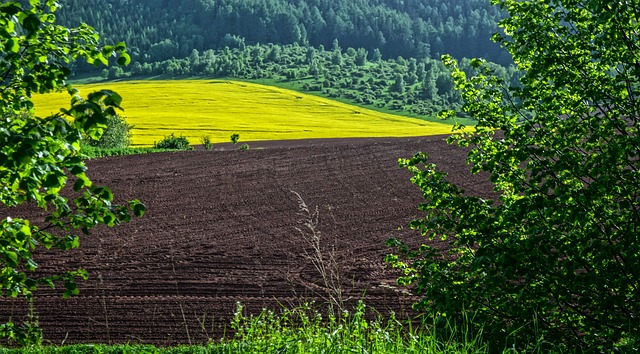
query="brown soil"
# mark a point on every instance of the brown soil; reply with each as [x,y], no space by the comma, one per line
[221,229]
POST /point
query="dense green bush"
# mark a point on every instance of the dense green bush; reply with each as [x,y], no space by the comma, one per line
[173,142]
[117,135]
[557,258]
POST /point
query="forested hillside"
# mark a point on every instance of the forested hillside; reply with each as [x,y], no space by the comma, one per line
[156,30]
[382,54]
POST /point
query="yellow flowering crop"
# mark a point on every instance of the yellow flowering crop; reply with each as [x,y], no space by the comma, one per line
[194,108]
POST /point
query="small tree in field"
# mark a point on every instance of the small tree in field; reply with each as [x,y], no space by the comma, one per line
[117,134]
[556,261]
[39,155]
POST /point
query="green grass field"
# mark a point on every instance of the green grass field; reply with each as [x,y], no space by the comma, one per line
[195,108]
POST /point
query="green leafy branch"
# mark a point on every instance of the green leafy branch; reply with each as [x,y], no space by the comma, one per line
[40,156]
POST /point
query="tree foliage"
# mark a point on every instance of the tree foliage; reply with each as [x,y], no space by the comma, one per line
[556,260]
[40,156]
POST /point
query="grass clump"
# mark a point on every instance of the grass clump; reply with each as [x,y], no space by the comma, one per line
[304,330]
[173,142]
[235,138]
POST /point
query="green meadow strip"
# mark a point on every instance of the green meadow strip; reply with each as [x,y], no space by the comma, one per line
[93,152]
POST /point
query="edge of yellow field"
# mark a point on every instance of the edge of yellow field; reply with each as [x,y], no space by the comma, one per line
[412,126]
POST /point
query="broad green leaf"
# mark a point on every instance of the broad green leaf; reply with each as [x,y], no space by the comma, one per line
[11,258]
[78,184]
[124,59]
[31,23]
[10,8]
[31,265]
[13,45]
[139,208]
[107,50]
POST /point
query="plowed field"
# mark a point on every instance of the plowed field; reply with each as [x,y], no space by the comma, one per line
[221,228]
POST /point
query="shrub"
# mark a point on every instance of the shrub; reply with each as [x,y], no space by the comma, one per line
[173,142]
[206,142]
[558,257]
[117,135]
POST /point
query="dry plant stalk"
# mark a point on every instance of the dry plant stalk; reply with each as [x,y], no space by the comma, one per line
[323,258]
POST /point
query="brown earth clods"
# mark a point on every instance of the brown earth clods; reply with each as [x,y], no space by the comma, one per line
[221,228]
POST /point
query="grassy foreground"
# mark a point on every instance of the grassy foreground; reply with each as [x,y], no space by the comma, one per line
[304,330]
[219,108]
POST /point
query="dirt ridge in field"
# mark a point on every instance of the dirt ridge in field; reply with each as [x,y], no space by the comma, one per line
[221,229]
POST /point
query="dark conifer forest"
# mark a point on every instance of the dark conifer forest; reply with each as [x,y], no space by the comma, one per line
[161,29]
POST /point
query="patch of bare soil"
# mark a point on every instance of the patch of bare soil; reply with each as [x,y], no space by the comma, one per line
[221,229]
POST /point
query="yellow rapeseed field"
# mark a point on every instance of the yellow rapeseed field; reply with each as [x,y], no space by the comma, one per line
[194,108]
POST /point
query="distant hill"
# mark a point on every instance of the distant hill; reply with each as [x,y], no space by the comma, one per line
[157,30]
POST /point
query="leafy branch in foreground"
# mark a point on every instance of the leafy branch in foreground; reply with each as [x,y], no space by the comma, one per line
[39,156]
[561,249]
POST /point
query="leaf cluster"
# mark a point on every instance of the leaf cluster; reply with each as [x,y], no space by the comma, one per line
[206,142]
[40,157]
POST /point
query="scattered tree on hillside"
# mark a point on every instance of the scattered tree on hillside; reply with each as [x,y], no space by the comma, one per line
[39,155]
[556,261]
[398,84]
[361,57]
[312,69]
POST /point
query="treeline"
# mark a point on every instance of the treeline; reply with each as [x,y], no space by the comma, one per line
[157,30]
[417,86]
